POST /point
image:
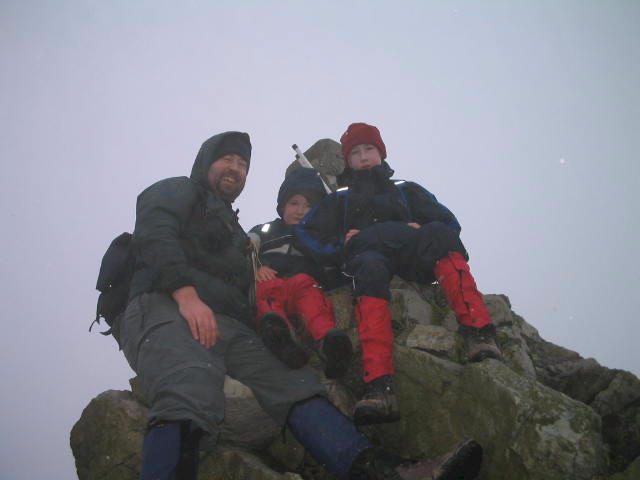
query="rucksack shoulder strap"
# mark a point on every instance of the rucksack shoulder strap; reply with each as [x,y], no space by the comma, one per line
[401,184]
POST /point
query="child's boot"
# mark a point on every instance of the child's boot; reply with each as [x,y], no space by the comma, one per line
[459,287]
[279,338]
[379,403]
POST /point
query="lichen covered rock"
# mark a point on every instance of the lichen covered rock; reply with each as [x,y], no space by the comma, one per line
[107,440]
[543,413]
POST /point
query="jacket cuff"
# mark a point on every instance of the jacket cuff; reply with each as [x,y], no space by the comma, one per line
[172,281]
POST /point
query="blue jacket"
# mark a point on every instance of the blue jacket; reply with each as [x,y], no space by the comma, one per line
[369,197]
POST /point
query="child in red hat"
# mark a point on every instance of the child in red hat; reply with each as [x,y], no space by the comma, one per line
[377,227]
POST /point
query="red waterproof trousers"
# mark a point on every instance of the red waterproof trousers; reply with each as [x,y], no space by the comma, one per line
[374,318]
[299,295]
[458,285]
[376,337]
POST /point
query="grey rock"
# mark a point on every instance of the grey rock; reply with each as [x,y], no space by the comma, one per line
[619,406]
[288,452]
[236,464]
[622,392]
[511,336]
[107,440]
[326,157]
[414,308]
[245,422]
[527,430]
[436,340]
[613,394]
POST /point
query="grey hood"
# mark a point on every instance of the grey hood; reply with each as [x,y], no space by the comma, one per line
[208,153]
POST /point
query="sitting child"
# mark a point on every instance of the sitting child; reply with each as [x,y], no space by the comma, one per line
[376,227]
[290,283]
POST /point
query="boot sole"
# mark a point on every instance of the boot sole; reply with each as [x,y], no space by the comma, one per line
[463,464]
[278,338]
[337,349]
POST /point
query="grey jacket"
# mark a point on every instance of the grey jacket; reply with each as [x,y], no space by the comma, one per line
[186,235]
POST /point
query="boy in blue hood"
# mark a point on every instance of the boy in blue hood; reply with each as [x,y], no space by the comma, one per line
[290,284]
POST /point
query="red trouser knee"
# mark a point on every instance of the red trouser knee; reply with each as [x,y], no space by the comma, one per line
[309,302]
[458,285]
[271,296]
[298,295]
[376,337]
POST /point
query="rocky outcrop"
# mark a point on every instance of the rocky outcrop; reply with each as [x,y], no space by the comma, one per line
[542,414]
[326,156]
[613,394]
[545,413]
[106,440]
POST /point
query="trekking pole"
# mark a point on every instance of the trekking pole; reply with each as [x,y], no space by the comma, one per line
[302,160]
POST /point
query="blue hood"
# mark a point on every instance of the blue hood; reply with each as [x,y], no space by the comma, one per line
[303,181]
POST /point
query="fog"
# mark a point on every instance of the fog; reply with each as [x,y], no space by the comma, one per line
[522,117]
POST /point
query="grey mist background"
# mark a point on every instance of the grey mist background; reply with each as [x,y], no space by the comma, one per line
[523,117]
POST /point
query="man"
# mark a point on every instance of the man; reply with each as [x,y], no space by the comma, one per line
[188,321]
[377,227]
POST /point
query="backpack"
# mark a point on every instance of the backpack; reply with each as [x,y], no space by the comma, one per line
[114,279]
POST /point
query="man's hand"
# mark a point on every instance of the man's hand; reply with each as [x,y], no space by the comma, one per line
[198,315]
[350,234]
[265,273]
[414,225]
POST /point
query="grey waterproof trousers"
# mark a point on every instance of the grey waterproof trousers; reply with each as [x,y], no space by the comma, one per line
[182,380]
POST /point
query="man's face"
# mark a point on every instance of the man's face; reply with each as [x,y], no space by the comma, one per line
[227,176]
[364,156]
[295,209]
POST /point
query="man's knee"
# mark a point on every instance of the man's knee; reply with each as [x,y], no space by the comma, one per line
[276,386]
[191,393]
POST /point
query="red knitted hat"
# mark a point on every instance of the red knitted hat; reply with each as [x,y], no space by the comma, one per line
[359,133]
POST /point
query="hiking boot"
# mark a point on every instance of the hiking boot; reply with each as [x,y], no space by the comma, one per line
[278,337]
[461,463]
[335,350]
[379,404]
[480,343]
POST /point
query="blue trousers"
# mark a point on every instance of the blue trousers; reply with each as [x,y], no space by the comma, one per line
[385,249]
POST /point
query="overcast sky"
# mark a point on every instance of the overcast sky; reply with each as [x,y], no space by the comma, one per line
[523,117]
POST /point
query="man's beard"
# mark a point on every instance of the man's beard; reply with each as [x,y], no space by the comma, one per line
[229,192]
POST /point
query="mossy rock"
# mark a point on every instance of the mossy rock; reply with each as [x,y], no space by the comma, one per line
[107,440]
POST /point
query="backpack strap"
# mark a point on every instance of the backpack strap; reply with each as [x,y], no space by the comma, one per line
[400,185]
[343,195]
